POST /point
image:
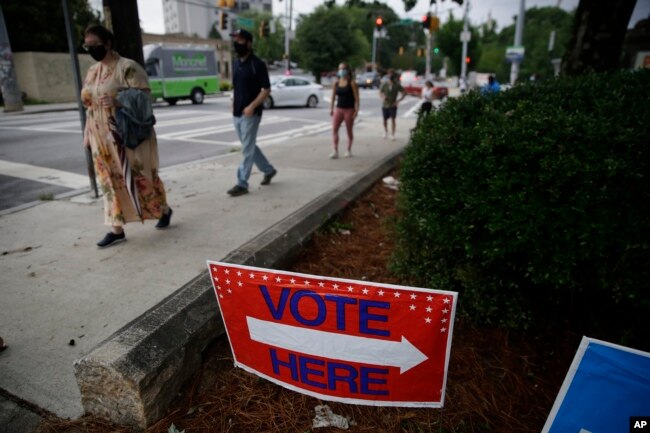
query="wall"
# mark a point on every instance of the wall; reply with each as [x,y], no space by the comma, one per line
[48,76]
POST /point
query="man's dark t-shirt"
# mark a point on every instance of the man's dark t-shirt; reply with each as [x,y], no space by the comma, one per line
[249,78]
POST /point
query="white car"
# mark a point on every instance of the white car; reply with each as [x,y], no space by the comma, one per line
[293,91]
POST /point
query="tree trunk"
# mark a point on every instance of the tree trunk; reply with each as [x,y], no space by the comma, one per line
[598,33]
[122,18]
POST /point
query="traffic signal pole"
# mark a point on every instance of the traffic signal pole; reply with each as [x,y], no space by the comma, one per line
[465,40]
[427,69]
[519,31]
[287,32]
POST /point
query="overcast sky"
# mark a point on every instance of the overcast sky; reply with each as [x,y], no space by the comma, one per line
[151,14]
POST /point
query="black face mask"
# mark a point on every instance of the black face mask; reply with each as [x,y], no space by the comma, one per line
[97,52]
[241,49]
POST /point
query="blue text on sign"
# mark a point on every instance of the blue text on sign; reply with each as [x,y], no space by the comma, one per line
[341,303]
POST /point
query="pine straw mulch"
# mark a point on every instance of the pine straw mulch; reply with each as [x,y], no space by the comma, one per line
[497,381]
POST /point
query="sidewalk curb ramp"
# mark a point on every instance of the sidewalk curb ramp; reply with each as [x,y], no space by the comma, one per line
[132,377]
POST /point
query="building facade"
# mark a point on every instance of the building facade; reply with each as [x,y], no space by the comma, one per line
[199,17]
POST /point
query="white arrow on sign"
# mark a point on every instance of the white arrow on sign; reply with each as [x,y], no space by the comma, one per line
[343,347]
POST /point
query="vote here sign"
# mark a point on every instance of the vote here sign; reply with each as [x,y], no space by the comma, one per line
[335,339]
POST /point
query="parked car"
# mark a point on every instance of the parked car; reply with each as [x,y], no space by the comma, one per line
[293,91]
[368,80]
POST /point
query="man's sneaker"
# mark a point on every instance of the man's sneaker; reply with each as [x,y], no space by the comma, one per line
[237,191]
[392,137]
[348,154]
[334,155]
[385,135]
[164,220]
[268,177]
[111,239]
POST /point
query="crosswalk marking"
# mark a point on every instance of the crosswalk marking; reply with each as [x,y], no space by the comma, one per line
[44,174]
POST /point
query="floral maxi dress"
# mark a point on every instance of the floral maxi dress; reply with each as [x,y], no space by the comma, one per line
[127,177]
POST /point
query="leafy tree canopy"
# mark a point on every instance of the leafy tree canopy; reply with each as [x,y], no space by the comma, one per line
[39,25]
[327,37]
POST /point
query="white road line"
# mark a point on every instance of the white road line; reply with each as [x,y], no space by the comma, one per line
[413,109]
[38,129]
[43,174]
[187,121]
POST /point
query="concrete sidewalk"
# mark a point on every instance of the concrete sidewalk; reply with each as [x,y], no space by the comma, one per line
[62,297]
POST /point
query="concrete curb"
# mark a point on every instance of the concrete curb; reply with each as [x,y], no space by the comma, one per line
[132,377]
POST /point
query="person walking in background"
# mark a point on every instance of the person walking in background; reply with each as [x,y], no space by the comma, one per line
[345,94]
[462,84]
[492,86]
[128,176]
[388,93]
[251,87]
[427,97]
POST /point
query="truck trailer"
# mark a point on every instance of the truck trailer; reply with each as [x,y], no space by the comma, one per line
[181,72]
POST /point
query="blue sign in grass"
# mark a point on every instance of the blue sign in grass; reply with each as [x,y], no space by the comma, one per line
[606,385]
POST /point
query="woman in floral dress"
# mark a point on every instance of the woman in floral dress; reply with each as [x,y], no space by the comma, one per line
[128,177]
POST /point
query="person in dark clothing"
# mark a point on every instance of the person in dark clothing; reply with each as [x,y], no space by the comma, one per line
[345,94]
[251,87]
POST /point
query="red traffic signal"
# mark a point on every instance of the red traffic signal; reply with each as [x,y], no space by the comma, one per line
[379,22]
[426,21]
[467,59]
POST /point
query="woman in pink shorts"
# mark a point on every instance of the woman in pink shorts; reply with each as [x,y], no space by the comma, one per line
[345,94]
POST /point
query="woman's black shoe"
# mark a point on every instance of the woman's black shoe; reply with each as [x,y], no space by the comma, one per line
[111,239]
[164,220]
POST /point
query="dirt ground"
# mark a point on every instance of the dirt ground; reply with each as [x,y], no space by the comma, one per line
[497,382]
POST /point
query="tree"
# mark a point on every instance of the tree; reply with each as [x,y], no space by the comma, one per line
[325,38]
[447,39]
[45,28]
[539,23]
[598,34]
[272,46]
[599,30]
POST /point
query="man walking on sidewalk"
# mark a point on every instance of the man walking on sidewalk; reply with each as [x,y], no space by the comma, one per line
[251,87]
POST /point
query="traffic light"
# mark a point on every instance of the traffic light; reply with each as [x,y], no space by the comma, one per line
[467,60]
[265,29]
[223,20]
[426,21]
[434,23]
[379,22]
[436,50]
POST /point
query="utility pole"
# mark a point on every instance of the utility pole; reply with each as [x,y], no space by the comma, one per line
[121,17]
[465,37]
[8,81]
[287,33]
[519,31]
[427,67]
[72,46]
[374,49]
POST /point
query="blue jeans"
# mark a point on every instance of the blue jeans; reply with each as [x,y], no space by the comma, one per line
[246,128]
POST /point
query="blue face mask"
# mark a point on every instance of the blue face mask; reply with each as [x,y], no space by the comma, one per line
[342,73]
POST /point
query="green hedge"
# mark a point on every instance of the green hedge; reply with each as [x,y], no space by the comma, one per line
[534,203]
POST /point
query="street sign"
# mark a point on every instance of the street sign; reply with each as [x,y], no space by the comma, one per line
[465,36]
[246,23]
[515,54]
[335,339]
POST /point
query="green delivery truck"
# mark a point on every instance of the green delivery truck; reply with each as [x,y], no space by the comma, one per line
[181,72]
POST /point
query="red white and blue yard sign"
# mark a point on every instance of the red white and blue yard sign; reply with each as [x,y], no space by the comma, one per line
[339,340]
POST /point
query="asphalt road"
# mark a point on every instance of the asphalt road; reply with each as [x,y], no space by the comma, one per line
[41,155]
